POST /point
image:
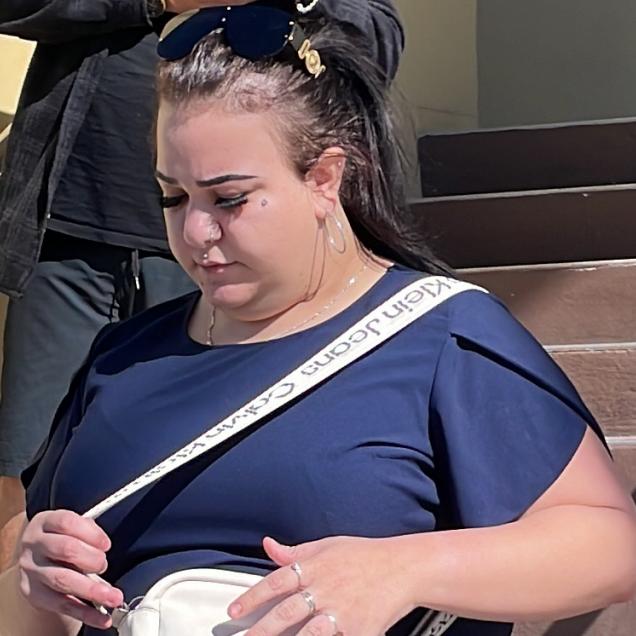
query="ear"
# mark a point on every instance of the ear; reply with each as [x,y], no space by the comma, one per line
[324,180]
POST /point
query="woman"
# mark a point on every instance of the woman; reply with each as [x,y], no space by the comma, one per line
[453,468]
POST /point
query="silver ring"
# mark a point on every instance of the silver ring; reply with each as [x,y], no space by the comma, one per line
[309,599]
[334,623]
[298,571]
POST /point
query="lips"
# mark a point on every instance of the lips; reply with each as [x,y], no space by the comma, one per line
[214,266]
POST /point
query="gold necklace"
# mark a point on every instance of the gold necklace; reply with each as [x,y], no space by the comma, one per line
[350,283]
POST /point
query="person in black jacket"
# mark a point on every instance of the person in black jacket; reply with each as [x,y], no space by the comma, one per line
[82,238]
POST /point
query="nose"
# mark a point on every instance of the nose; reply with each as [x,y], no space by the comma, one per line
[200,229]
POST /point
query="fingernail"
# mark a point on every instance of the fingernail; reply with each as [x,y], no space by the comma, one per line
[115,598]
[235,610]
[109,594]
[104,567]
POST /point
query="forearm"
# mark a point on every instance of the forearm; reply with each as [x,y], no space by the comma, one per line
[53,21]
[556,563]
[19,618]
[9,540]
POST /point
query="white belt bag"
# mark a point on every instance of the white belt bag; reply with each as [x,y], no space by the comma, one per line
[195,602]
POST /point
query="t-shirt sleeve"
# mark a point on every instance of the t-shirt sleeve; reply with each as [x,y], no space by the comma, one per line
[38,477]
[505,420]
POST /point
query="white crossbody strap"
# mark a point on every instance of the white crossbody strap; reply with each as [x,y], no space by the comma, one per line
[399,311]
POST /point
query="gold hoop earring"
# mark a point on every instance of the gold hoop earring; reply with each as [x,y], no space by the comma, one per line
[339,248]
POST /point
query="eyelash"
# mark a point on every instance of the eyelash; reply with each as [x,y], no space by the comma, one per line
[221,202]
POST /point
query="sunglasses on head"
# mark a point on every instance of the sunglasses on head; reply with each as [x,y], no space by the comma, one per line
[251,31]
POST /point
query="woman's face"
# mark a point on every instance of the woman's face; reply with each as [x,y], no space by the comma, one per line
[240,220]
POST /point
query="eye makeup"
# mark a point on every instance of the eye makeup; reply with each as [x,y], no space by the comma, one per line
[231,202]
[171,202]
[222,202]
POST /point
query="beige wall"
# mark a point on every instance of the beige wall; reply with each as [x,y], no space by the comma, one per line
[472,64]
[438,75]
[14,57]
[546,61]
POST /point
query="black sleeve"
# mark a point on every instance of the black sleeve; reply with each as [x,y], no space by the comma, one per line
[52,21]
[379,21]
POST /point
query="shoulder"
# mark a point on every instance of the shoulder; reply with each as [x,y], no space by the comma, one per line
[479,316]
[480,345]
[479,322]
[456,307]
[463,313]
[486,350]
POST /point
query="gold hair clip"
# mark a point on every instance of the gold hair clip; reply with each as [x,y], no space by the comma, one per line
[312,60]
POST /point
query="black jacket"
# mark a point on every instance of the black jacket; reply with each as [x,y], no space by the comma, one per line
[60,83]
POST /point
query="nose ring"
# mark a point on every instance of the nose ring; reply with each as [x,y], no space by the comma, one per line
[214,232]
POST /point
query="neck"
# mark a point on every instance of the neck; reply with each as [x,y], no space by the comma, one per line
[330,292]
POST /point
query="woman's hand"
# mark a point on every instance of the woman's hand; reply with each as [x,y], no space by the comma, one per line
[179,6]
[344,585]
[58,549]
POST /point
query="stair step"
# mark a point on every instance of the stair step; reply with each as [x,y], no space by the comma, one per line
[569,305]
[522,228]
[528,158]
[605,380]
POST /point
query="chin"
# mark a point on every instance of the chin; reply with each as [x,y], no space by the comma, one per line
[227,296]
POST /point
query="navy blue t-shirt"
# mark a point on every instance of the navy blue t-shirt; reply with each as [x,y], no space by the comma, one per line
[459,421]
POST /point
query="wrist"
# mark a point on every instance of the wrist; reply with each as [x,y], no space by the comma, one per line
[20,615]
[423,562]
[403,571]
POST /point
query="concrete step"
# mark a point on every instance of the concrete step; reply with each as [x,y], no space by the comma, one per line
[528,158]
[532,227]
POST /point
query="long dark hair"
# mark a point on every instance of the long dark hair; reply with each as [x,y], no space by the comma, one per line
[347,107]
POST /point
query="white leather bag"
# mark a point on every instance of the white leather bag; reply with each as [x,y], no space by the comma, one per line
[191,603]
[195,602]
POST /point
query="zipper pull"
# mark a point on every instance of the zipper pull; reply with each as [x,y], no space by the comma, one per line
[119,614]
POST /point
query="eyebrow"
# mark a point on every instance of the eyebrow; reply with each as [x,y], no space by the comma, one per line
[206,183]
